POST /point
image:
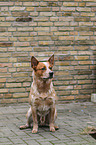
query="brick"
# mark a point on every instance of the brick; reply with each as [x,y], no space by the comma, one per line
[21,65]
[83,9]
[70,4]
[22,19]
[61,33]
[45,24]
[41,19]
[20,74]
[5,64]
[47,14]
[41,29]
[46,43]
[2,80]
[82,19]
[17,90]
[34,14]
[8,101]
[82,38]
[7,95]
[87,15]
[3,39]
[6,3]
[55,9]
[85,62]
[6,44]
[62,63]
[61,24]
[82,4]
[1,85]
[64,14]
[3,29]
[12,69]
[45,33]
[30,9]
[61,58]
[66,28]
[17,8]
[20,95]
[21,44]
[66,98]
[12,59]
[20,14]
[43,9]
[82,72]
[82,96]
[85,23]
[69,9]
[66,37]
[31,3]
[3,90]
[10,85]
[91,4]
[3,69]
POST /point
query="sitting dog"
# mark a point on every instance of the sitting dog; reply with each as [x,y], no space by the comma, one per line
[42,98]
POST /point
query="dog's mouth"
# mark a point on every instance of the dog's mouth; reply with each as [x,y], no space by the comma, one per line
[47,78]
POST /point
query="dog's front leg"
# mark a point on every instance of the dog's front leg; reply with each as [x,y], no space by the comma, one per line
[52,114]
[35,123]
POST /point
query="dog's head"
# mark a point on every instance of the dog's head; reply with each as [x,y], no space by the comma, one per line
[43,69]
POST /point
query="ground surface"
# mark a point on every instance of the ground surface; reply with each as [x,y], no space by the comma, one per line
[72,119]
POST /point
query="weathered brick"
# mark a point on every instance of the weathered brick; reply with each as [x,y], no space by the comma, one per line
[22,19]
[6,44]
[82,19]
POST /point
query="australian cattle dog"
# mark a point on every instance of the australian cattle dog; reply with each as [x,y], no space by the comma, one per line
[42,98]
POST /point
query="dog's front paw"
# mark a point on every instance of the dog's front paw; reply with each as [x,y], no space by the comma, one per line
[52,129]
[34,130]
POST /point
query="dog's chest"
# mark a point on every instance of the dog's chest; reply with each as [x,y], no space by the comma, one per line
[43,105]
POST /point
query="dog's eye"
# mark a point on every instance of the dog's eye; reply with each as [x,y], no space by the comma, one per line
[43,68]
[50,68]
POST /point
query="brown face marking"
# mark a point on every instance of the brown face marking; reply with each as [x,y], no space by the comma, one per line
[40,69]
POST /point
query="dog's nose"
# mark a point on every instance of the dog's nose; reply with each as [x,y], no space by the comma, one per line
[51,74]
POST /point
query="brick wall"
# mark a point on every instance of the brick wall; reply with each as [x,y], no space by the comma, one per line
[39,28]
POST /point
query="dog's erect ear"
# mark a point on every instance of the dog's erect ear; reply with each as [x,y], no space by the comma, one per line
[34,62]
[51,60]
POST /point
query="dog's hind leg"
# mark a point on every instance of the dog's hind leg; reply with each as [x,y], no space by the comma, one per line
[29,120]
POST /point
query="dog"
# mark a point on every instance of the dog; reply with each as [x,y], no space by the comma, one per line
[42,98]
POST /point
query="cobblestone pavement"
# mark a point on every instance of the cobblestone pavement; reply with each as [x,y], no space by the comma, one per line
[72,119]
